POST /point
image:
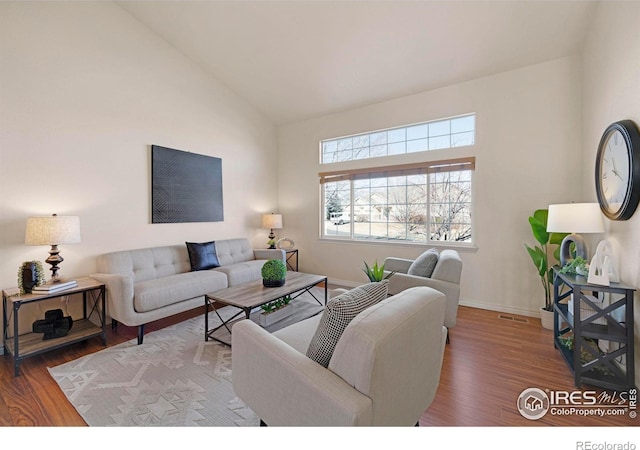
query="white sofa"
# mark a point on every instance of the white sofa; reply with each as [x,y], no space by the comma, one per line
[148,284]
[384,371]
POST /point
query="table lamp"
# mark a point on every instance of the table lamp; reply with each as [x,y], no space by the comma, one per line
[53,230]
[574,218]
[272,222]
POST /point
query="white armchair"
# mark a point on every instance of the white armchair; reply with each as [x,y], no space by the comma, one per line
[385,368]
[445,278]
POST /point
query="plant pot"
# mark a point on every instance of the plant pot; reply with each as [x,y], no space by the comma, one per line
[29,276]
[273,283]
[275,316]
[546,318]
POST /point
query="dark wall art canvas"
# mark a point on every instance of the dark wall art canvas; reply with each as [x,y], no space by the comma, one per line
[185,187]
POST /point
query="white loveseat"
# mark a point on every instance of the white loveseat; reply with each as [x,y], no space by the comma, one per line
[384,370]
[148,284]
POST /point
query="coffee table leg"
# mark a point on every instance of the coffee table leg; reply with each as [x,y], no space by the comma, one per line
[206,318]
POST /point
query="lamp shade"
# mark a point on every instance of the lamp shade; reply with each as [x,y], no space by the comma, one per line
[52,230]
[272,221]
[575,218]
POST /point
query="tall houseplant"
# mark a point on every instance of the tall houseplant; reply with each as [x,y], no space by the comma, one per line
[540,253]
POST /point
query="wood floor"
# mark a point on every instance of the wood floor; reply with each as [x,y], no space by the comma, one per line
[488,363]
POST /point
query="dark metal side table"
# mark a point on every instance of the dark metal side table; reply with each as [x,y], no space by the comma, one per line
[590,321]
[22,346]
[292,257]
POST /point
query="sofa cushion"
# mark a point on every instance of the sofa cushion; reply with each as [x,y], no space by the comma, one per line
[244,272]
[424,264]
[232,251]
[202,255]
[154,294]
[337,314]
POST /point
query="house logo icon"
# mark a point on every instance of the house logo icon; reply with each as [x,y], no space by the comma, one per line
[533,403]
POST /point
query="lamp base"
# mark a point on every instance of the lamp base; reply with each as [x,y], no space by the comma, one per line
[272,240]
[54,259]
[566,255]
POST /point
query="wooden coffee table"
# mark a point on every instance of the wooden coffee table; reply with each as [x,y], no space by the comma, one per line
[249,296]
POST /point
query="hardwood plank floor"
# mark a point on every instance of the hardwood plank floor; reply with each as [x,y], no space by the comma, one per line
[488,363]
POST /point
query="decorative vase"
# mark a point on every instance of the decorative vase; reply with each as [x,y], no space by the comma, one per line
[29,276]
[273,283]
[546,318]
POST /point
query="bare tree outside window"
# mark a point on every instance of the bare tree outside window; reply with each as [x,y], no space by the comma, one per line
[414,208]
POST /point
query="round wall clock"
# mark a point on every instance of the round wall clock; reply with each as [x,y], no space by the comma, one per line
[618,170]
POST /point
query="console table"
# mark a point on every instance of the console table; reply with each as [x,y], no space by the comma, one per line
[23,346]
[591,321]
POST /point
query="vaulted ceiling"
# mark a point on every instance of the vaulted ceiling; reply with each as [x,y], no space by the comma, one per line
[295,60]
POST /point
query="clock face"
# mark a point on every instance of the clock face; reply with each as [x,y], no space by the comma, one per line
[615,172]
[618,170]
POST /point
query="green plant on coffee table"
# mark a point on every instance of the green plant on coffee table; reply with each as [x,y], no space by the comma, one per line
[276,304]
[274,270]
[375,272]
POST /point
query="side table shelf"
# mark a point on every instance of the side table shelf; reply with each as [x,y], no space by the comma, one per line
[25,345]
[588,322]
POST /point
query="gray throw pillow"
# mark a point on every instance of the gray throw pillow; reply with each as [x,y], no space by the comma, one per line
[337,314]
[424,264]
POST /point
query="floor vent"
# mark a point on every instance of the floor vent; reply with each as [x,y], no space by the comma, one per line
[512,318]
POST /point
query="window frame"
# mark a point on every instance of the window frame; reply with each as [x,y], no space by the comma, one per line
[344,151]
[421,168]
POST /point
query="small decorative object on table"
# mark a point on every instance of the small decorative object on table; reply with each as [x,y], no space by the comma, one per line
[274,273]
[54,325]
[375,272]
[603,270]
[285,244]
[30,274]
[577,266]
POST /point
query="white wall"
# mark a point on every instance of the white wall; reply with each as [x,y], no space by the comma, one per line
[611,92]
[527,156]
[85,89]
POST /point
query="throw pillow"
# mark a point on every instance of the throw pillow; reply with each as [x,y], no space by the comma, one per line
[203,255]
[424,264]
[338,313]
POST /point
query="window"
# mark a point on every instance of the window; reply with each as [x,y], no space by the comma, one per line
[445,133]
[421,203]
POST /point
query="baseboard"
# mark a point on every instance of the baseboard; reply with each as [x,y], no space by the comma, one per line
[500,308]
[337,283]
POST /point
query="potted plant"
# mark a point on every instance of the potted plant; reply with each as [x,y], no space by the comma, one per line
[543,261]
[274,273]
[275,311]
[30,274]
[375,272]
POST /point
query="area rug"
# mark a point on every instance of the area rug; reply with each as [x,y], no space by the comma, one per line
[175,378]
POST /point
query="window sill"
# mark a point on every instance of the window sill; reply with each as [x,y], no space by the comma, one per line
[461,247]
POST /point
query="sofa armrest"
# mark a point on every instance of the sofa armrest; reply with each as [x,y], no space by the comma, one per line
[119,296]
[280,384]
[269,253]
[401,265]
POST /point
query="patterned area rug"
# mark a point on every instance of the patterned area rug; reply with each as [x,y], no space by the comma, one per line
[174,378]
